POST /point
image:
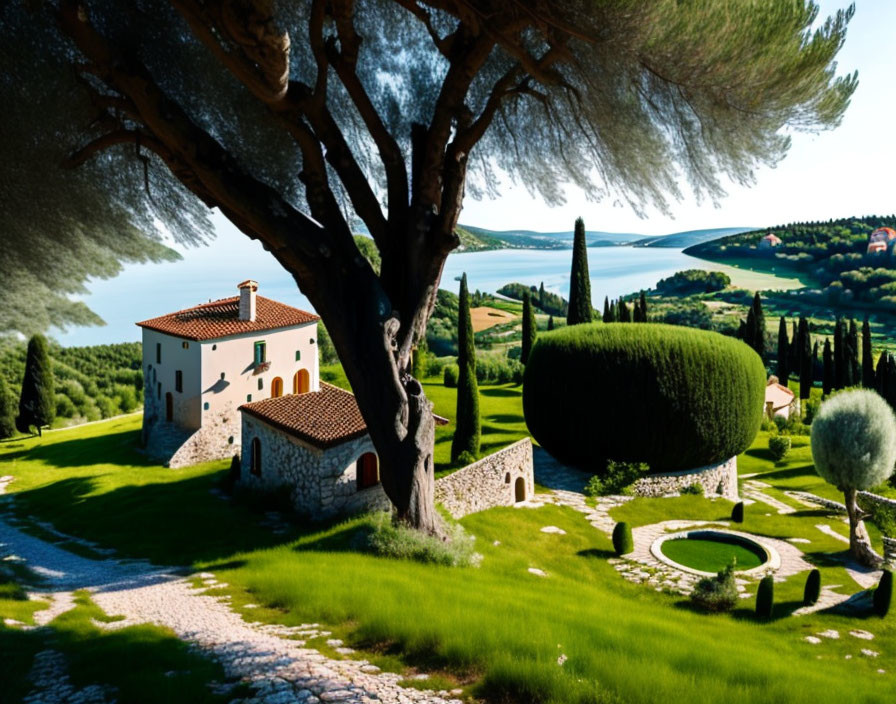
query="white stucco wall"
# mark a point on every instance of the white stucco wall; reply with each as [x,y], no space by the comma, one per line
[235,357]
[159,379]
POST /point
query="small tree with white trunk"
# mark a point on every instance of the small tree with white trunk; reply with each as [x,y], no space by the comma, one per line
[854,448]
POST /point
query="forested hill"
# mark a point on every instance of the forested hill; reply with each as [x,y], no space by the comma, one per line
[833,254]
[801,242]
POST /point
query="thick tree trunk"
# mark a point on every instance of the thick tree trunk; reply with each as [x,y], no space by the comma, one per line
[859,542]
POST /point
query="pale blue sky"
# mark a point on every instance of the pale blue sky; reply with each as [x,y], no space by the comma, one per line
[847,171]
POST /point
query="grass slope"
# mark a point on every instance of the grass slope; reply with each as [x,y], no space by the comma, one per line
[497,630]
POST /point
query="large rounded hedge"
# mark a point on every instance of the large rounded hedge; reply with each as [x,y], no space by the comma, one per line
[673,397]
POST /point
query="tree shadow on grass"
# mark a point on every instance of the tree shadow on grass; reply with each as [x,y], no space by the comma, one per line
[788,473]
[596,553]
[113,448]
[505,418]
[171,523]
[500,392]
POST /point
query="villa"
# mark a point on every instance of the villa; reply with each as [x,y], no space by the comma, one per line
[779,400]
[881,240]
[770,241]
[202,363]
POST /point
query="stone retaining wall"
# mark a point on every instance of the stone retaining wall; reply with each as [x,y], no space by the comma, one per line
[492,481]
[716,479]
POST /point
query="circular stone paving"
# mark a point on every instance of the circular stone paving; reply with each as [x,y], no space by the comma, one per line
[704,552]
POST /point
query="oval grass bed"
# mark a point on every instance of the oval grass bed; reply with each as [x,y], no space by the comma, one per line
[712,554]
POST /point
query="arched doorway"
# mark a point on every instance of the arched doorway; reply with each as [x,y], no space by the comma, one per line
[276,387]
[520,489]
[169,407]
[255,466]
[301,382]
[368,470]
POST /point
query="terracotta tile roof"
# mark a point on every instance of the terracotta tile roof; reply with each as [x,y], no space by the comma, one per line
[210,321]
[321,418]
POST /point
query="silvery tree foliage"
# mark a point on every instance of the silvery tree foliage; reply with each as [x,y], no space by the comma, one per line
[854,448]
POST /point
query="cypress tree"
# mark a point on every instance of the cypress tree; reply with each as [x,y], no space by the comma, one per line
[758,332]
[827,380]
[529,329]
[643,302]
[608,311]
[807,366]
[467,425]
[890,385]
[852,360]
[625,315]
[839,355]
[550,323]
[579,282]
[541,296]
[7,411]
[880,376]
[793,357]
[783,370]
[867,356]
[37,405]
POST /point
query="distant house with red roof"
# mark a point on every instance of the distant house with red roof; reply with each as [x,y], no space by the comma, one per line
[779,400]
[881,240]
[770,241]
[202,363]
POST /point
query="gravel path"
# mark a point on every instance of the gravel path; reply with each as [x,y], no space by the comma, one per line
[272,659]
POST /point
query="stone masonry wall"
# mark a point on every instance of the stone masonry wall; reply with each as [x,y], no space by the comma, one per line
[717,480]
[490,482]
[218,438]
[321,483]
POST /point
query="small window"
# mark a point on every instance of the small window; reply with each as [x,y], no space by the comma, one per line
[149,368]
[222,375]
[214,347]
[159,390]
[298,355]
[255,466]
[260,384]
[205,405]
[179,381]
[261,352]
[185,345]
[158,353]
[311,340]
[248,398]
[230,440]
[367,471]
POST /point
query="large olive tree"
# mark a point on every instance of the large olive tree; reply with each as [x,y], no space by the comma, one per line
[303,120]
[854,448]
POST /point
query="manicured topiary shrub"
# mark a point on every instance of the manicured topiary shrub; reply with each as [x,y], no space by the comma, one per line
[813,588]
[765,597]
[449,376]
[622,538]
[737,513]
[779,446]
[717,593]
[883,595]
[673,397]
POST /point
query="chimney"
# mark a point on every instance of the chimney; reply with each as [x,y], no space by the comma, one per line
[247,299]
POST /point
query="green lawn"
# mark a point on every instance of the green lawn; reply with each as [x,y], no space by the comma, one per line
[496,630]
[710,555]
